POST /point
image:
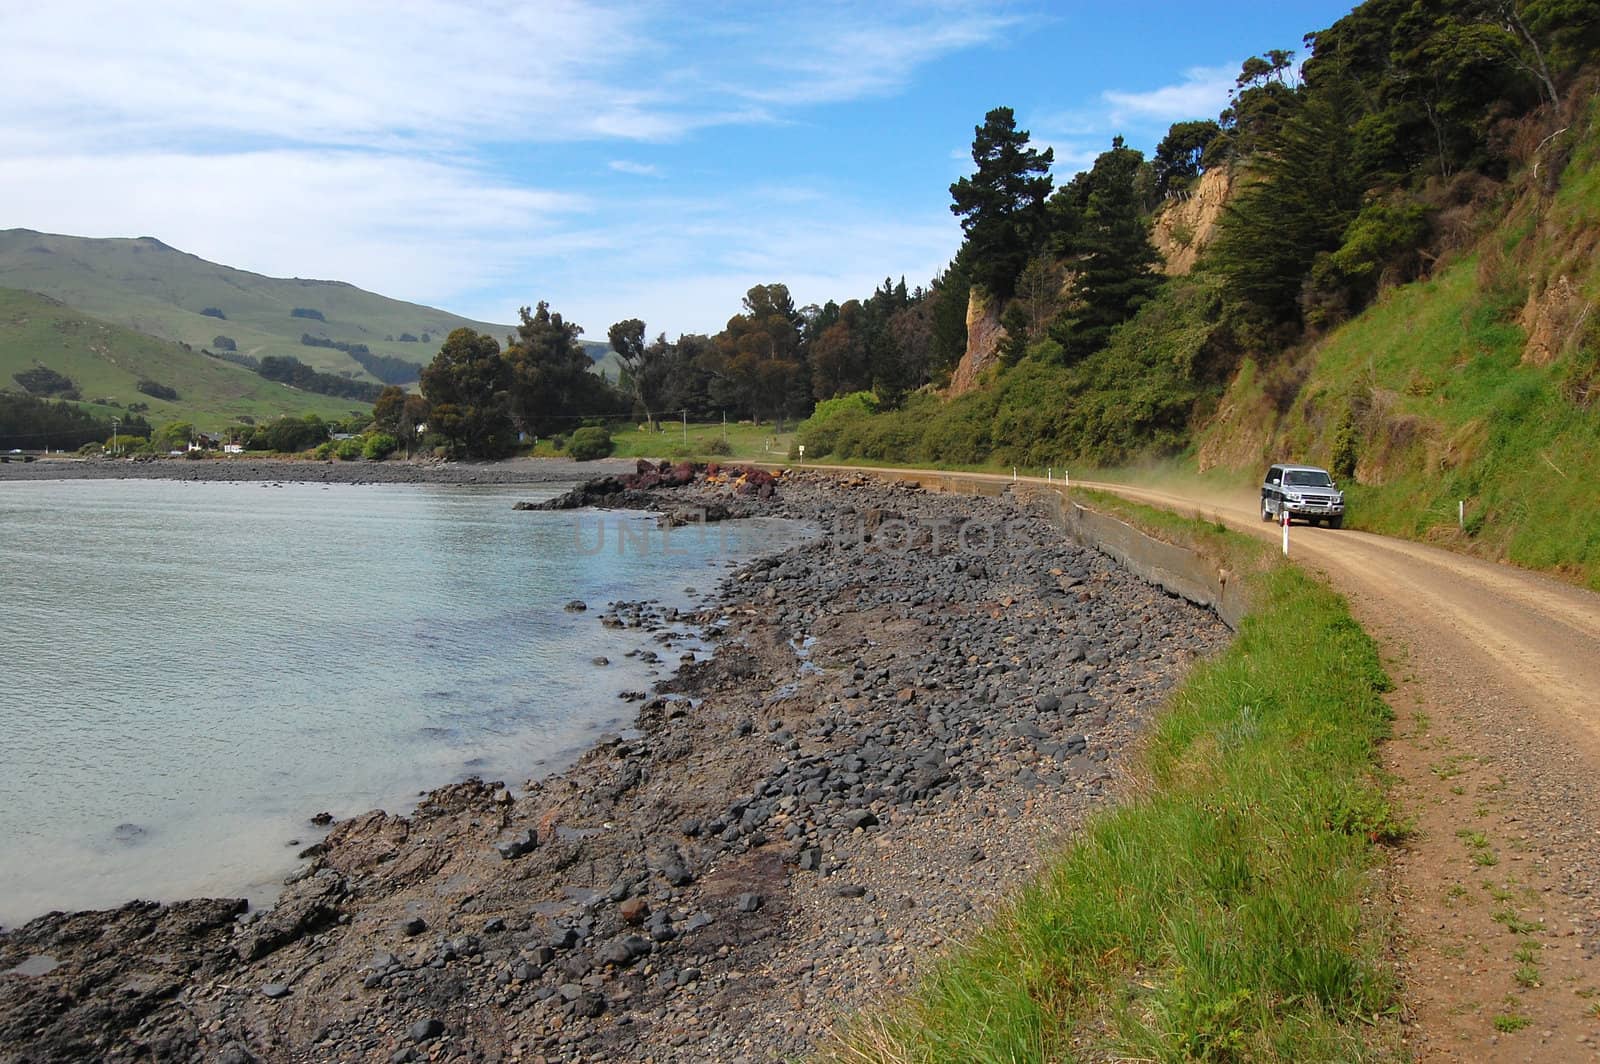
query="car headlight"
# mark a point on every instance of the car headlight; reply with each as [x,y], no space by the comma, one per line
[1293,496]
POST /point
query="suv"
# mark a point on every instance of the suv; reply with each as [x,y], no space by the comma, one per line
[1301,491]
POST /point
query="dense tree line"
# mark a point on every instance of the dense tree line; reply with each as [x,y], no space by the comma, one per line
[44,381]
[157,390]
[483,399]
[30,423]
[307,340]
[387,368]
[291,371]
[1399,111]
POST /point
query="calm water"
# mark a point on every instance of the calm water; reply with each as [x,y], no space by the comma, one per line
[189,671]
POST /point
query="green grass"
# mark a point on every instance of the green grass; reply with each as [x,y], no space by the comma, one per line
[703,441]
[1218,915]
[107,361]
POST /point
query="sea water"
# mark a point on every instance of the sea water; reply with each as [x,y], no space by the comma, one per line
[188,671]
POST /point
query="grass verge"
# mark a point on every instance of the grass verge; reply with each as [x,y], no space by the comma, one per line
[1216,915]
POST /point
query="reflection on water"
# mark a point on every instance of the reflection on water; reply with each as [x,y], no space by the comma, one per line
[193,669]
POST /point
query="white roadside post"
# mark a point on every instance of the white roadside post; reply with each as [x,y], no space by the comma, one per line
[1286,533]
[1013,474]
[802,449]
[1461,514]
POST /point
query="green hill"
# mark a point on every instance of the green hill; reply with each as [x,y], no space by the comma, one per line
[107,361]
[1479,385]
[152,288]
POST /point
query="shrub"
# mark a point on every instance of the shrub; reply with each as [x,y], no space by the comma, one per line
[718,446]
[348,450]
[379,446]
[213,312]
[42,380]
[224,343]
[821,431]
[156,390]
[590,443]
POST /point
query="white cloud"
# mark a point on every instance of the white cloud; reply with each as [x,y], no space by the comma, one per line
[1202,94]
[413,229]
[625,166]
[411,148]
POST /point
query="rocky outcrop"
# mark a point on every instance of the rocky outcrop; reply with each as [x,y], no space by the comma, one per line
[984,333]
[1551,320]
[1187,221]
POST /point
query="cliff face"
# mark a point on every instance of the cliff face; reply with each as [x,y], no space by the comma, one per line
[984,334]
[1186,224]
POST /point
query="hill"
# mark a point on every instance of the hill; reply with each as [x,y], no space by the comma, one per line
[1478,385]
[149,287]
[107,361]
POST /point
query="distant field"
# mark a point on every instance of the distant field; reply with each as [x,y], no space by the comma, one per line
[747,442]
[107,361]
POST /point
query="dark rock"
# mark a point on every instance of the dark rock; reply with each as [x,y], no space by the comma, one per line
[323,819]
[521,843]
[413,927]
[274,990]
[859,818]
[748,903]
[425,1029]
[576,606]
[493,925]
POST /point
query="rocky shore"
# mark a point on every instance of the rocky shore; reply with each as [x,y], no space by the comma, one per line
[900,719]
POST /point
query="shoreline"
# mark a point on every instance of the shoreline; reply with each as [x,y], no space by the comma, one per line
[315,471]
[888,736]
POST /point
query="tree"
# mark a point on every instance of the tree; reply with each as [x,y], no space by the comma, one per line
[388,408]
[1180,157]
[466,385]
[550,382]
[755,363]
[643,366]
[951,293]
[1306,197]
[1002,204]
[1112,257]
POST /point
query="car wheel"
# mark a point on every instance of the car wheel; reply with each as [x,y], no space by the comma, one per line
[1336,522]
[1266,511]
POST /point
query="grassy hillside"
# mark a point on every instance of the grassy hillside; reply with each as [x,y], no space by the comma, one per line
[1479,385]
[107,361]
[151,288]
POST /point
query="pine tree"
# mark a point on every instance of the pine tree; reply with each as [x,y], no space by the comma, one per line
[1002,204]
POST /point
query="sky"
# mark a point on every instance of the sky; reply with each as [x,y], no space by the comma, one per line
[647,160]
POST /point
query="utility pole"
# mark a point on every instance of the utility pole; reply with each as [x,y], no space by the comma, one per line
[686,426]
[114,423]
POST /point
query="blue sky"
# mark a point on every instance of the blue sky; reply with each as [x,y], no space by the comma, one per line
[634,160]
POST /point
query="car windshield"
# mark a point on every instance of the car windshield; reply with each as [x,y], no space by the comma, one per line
[1307,478]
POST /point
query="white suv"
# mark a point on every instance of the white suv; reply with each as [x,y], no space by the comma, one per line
[1301,491]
